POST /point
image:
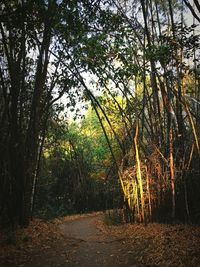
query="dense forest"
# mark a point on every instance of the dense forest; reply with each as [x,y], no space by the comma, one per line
[100,109]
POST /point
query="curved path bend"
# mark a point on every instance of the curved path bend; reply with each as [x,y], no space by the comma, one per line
[82,244]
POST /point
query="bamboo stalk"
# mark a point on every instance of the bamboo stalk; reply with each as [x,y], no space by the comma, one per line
[192,125]
[172,173]
[138,173]
[149,193]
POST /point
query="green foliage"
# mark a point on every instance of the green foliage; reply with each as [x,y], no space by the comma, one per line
[76,174]
[138,59]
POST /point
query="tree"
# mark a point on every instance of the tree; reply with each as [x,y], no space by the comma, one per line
[49,47]
[44,51]
[77,173]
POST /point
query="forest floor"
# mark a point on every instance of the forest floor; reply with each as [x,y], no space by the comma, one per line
[86,241]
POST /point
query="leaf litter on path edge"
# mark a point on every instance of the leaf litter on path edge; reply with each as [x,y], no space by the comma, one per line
[149,245]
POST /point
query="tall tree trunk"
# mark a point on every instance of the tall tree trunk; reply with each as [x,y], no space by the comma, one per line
[35,122]
[139,174]
[172,173]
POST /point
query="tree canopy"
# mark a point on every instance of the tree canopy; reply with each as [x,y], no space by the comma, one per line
[136,64]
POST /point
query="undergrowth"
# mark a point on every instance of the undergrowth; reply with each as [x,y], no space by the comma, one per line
[113,217]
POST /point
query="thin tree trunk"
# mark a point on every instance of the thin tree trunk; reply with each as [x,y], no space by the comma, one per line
[149,194]
[172,173]
[139,175]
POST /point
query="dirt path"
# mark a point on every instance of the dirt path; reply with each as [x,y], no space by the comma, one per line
[84,241]
[91,246]
[83,245]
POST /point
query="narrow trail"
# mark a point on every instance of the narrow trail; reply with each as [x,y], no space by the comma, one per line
[92,247]
[84,241]
[85,245]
